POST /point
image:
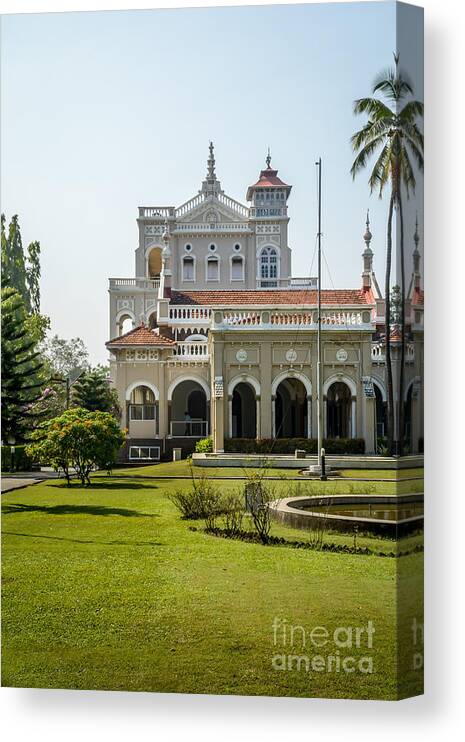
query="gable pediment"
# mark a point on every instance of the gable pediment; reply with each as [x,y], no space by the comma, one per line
[213,209]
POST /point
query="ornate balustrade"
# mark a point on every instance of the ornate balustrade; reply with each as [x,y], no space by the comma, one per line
[378,352]
[191,350]
[234,205]
[290,318]
[156,212]
[183,314]
[193,203]
[296,284]
[124,284]
[211,227]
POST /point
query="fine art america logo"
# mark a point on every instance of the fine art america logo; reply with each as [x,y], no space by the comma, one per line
[345,649]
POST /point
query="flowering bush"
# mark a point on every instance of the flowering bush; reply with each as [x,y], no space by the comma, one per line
[79,440]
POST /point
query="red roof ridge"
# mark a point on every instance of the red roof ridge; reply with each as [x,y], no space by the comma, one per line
[270,297]
[141,335]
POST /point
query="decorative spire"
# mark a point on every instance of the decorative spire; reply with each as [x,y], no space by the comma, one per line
[166,236]
[367,236]
[268,159]
[211,164]
[416,236]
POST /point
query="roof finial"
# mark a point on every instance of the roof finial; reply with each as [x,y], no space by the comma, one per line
[367,236]
[268,159]
[211,164]
[416,236]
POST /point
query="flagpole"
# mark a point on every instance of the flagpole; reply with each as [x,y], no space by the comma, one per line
[319,373]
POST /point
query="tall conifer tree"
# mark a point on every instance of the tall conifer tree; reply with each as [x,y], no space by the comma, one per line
[21,366]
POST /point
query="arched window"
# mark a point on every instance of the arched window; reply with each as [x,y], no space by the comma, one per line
[142,404]
[213,269]
[154,263]
[237,268]
[188,268]
[269,266]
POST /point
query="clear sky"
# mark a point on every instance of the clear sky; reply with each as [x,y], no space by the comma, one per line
[102,112]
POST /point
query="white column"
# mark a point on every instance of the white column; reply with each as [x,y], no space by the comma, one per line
[309,417]
[258,417]
[353,419]
[230,416]
[273,416]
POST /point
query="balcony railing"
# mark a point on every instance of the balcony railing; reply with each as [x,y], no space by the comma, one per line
[192,351]
[288,283]
[211,227]
[156,212]
[234,205]
[180,315]
[378,353]
[127,284]
[336,319]
[189,428]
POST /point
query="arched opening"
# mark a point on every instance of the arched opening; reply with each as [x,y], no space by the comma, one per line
[189,410]
[244,411]
[381,413]
[291,409]
[152,321]
[408,417]
[142,404]
[213,269]
[338,411]
[237,268]
[124,324]
[154,263]
[269,267]
[188,268]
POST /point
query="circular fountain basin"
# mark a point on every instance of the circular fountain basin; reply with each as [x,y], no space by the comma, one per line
[390,515]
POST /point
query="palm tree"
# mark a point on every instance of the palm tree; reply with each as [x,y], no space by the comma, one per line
[392,133]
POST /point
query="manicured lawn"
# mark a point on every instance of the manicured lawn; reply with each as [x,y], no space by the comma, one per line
[107,587]
[309,486]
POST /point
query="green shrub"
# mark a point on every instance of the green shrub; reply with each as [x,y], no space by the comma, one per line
[201,500]
[233,511]
[204,446]
[258,494]
[22,462]
[289,445]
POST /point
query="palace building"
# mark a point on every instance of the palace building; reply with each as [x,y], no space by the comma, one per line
[213,336]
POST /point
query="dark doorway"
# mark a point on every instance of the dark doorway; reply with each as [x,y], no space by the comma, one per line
[291,410]
[338,405]
[244,412]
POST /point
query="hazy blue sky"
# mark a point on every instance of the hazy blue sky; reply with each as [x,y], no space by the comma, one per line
[102,112]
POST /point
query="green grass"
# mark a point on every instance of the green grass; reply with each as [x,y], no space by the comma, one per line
[108,588]
[309,486]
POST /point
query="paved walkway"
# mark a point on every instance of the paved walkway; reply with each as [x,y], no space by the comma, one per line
[18,480]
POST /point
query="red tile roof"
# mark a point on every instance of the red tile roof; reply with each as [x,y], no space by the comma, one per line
[272,297]
[418,296]
[269,179]
[141,335]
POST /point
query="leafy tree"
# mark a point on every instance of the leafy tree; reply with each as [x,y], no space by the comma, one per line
[21,368]
[92,391]
[78,440]
[392,133]
[65,358]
